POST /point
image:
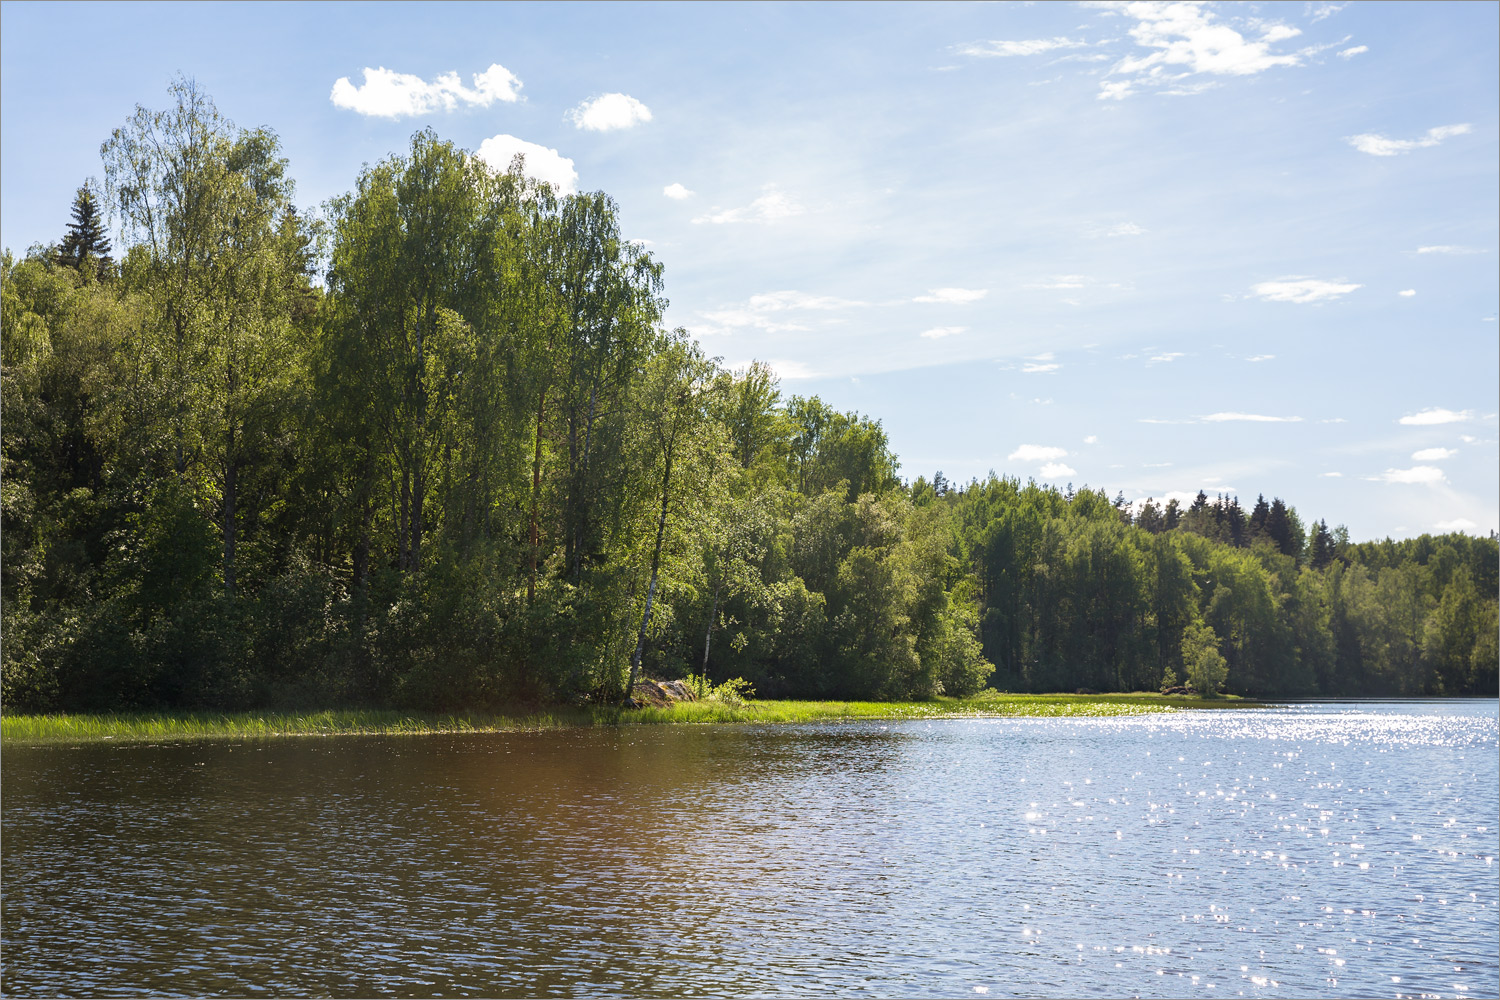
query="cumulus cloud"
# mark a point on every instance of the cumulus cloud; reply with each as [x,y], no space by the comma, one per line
[1299,289]
[540,162]
[1091,439]
[1450,249]
[1433,454]
[1407,293]
[1029,47]
[1436,415]
[772,206]
[608,112]
[1056,470]
[1186,40]
[388,94]
[953,296]
[1379,145]
[1457,524]
[1355,51]
[938,332]
[1426,475]
[1257,418]
[676,192]
[1037,453]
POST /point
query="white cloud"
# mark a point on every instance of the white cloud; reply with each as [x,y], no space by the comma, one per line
[541,163]
[1261,357]
[774,312]
[1037,453]
[1451,249]
[388,94]
[938,332]
[1330,475]
[778,301]
[1188,39]
[1355,51]
[1258,418]
[1423,474]
[1029,47]
[1124,229]
[1457,524]
[1379,145]
[1091,439]
[1407,293]
[953,296]
[1433,454]
[1298,289]
[1056,470]
[1061,281]
[1436,415]
[608,112]
[1040,367]
[1167,358]
[1327,10]
[769,207]
[676,192]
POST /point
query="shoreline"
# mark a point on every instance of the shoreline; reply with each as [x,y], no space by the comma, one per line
[146,727]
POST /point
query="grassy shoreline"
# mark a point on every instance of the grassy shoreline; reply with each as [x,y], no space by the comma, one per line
[137,727]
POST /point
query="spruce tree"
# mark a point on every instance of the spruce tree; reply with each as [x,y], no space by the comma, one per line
[1321,545]
[1279,529]
[86,239]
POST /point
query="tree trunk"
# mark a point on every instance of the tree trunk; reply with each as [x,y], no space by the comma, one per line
[661,529]
[713,616]
[536,494]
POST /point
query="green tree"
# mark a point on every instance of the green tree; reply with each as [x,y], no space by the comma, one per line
[1205,665]
[86,247]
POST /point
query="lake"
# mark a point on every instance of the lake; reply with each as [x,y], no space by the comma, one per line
[1316,849]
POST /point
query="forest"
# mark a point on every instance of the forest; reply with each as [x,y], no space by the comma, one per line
[430,445]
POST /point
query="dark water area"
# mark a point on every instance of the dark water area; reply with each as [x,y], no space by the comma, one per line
[1313,850]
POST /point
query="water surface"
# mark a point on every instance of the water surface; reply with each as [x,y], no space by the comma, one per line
[1334,850]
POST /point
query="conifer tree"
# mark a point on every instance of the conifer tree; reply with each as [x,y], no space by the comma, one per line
[1321,545]
[86,239]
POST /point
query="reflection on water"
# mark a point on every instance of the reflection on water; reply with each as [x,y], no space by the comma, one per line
[1343,850]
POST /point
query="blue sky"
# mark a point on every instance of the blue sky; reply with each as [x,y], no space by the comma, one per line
[1147,247]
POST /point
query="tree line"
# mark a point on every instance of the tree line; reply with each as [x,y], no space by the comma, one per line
[432,446]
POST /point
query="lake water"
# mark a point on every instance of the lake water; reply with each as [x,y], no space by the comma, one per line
[1315,850]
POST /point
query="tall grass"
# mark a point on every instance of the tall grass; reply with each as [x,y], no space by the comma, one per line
[135,727]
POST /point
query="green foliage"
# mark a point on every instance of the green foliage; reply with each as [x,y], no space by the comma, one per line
[1206,667]
[439,453]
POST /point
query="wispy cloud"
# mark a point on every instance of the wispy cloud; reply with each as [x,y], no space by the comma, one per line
[1257,418]
[541,163]
[1165,358]
[1457,524]
[1426,475]
[953,296]
[388,94]
[939,332]
[1261,357]
[1407,293]
[1004,48]
[1330,475]
[775,312]
[1187,40]
[1091,439]
[1061,281]
[1300,289]
[1379,145]
[608,112]
[676,192]
[1037,453]
[1350,53]
[772,206]
[1451,249]
[1436,415]
[1433,454]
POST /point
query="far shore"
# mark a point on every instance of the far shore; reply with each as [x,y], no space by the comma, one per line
[148,727]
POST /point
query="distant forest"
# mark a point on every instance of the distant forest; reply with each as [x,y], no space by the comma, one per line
[430,446]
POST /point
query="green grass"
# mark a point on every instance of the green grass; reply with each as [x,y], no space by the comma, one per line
[177,726]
